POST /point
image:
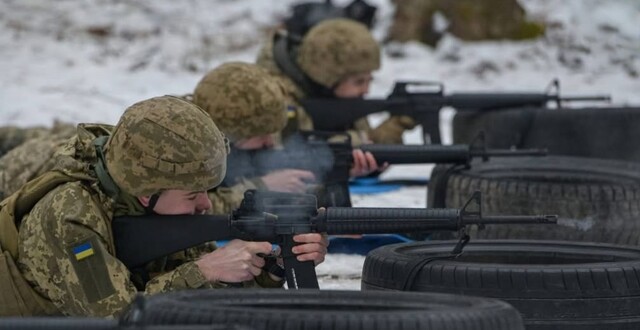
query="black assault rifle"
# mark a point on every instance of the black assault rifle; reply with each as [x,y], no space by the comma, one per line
[332,114]
[277,217]
[329,156]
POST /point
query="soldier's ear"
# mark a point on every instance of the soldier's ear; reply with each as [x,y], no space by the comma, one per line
[144,200]
[149,202]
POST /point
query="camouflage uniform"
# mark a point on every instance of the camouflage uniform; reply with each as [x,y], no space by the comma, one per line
[244,101]
[32,157]
[65,247]
[329,52]
[11,136]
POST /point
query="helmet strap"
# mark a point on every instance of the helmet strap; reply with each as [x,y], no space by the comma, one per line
[284,50]
[105,179]
[153,200]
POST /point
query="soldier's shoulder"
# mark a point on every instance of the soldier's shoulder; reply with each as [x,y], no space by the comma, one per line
[70,200]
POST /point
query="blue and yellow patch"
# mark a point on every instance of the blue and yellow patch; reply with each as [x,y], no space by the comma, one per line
[83,251]
[291,111]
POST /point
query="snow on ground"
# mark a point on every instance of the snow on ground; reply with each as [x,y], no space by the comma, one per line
[86,61]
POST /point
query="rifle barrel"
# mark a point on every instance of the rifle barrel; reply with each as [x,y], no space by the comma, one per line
[585,98]
[512,219]
[510,153]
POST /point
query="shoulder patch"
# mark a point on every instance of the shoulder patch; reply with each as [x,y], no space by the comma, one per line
[83,251]
[89,263]
[291,111]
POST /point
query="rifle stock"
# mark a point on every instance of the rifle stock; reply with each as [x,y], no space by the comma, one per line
[277,217]
[146,238]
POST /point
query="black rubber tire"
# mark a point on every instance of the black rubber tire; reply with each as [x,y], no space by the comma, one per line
[554,284]
[610,133]
[596,200]
[503,129]
[316,309]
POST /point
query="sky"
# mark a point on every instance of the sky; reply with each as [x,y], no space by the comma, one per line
[86,61]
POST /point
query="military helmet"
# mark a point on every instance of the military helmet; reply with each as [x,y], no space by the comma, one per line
[243,100]
[336,48]
[165,143]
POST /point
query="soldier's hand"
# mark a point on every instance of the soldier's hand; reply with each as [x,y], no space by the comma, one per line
[235,262]
[313,247]
[288,180]
[364,163]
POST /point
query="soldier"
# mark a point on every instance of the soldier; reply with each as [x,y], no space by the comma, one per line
[13,136]
[249,107]
[27,152]
[162,157]
[334,59]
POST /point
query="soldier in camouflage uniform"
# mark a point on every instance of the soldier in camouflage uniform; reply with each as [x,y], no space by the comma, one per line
[162,157]
[334,59]
[12,136]
[249,107]
[27,152]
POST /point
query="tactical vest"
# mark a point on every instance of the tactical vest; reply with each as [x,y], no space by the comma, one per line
[17,297]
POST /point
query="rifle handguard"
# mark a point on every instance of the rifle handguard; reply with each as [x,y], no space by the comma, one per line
[344,220]
[418,154]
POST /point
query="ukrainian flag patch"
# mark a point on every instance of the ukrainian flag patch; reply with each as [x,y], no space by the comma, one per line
[83,251]
[291,111]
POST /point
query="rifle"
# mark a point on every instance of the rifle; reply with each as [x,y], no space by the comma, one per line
[329,156]
[332,114]
[276,217]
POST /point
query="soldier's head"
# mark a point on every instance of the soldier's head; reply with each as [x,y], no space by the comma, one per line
[340,54]
[246,103]
[167,152]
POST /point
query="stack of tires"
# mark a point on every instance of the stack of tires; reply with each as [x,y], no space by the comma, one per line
[591,178]
[323,310]
[584,272]
[553,284]
[610,133]
[596,200]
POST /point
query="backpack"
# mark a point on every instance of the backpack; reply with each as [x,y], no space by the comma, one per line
[17,297]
